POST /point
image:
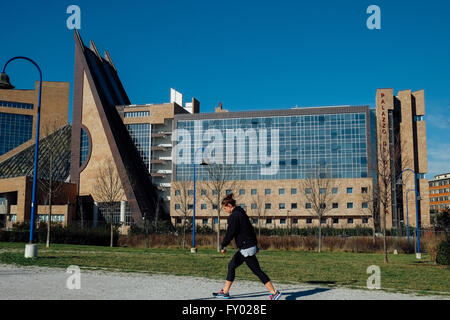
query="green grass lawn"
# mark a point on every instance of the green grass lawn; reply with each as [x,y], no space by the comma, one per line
[402,273]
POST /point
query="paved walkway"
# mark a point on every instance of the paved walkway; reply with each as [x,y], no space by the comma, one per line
[51,283]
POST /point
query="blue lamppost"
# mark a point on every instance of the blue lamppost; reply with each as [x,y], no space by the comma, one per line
[417,208]
[194,249]
[30,249]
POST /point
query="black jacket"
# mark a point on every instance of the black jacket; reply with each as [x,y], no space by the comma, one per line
[241,229]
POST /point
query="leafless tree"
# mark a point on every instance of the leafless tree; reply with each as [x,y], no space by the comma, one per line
[260,209]
[219,180]
[50,183]
[370,197]
[183,201]
[108,190]
[316,189]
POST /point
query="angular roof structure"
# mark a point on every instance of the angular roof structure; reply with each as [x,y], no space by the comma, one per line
[56,144]
[97,90]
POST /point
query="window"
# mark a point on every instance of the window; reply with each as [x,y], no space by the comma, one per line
[228,191]
[178,220]
[203,192]
[268,221]
[243,206]
[242,192]
[282,221]
[350,220]
[254,221]
[190,192]
[205,221]
[267,191]
[190,206]
[308,220]
[177,206]
[323,205]
[214,206]
[349,205]
[215,192]
[281,206]
[281,191]
[308,205]
[335,205]
[322,190]
[268,205]
[335,220]
[177,192]
[216,220]
[294,205]
[203,206]
[365,220]
[308,191]
[295,221]
[323,220]
[136,114]
[364,190]
[334,190]
[349,190]
[365,205]
[253,206]
[293,191]
[253,192]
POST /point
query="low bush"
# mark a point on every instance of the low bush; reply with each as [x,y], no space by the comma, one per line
[443,252]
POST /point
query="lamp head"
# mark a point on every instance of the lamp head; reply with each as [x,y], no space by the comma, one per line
[4,82]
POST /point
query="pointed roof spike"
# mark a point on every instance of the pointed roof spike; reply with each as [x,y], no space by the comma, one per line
[78,39]
[93,47]
[108,58]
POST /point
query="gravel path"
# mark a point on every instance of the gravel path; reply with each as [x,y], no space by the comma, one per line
[51,283]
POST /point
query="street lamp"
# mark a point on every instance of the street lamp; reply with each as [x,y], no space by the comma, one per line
[399,181]
[407,220]
[194,249]
[30,249]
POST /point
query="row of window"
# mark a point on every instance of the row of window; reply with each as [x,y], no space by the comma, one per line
[18,105]
[136,114]
[440,183]
[284,221]
[281,206]
[55,217]
[444,198]
[281,191]
[437,191]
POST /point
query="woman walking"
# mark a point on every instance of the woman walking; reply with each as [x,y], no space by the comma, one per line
[240,228]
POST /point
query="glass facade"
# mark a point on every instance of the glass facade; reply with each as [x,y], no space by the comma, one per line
[84,147]
[335,143]
[15,129]
[18,105]
[140,134]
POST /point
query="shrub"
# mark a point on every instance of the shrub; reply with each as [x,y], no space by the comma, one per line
[443,252]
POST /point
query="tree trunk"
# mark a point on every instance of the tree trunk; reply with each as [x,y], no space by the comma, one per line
[183,239]
[320,235]
[384,239]
[218,231]
[112,234]
[49,222]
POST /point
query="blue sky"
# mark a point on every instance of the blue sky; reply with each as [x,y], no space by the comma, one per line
[249,54]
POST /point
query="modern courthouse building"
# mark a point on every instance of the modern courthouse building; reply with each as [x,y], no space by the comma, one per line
[268,154]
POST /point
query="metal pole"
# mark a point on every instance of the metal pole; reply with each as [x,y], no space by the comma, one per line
[417,215]
[36,149]
[193,216]
[407,220]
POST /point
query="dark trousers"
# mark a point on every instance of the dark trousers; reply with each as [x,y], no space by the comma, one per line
[251,262]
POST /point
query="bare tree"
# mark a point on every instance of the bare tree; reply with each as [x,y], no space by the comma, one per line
[219,180]
[316,188]
[260,209]
[183,204]
[50,181]
[108,190]
[370,197]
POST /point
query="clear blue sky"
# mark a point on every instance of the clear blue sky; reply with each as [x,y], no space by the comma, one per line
[249,54]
